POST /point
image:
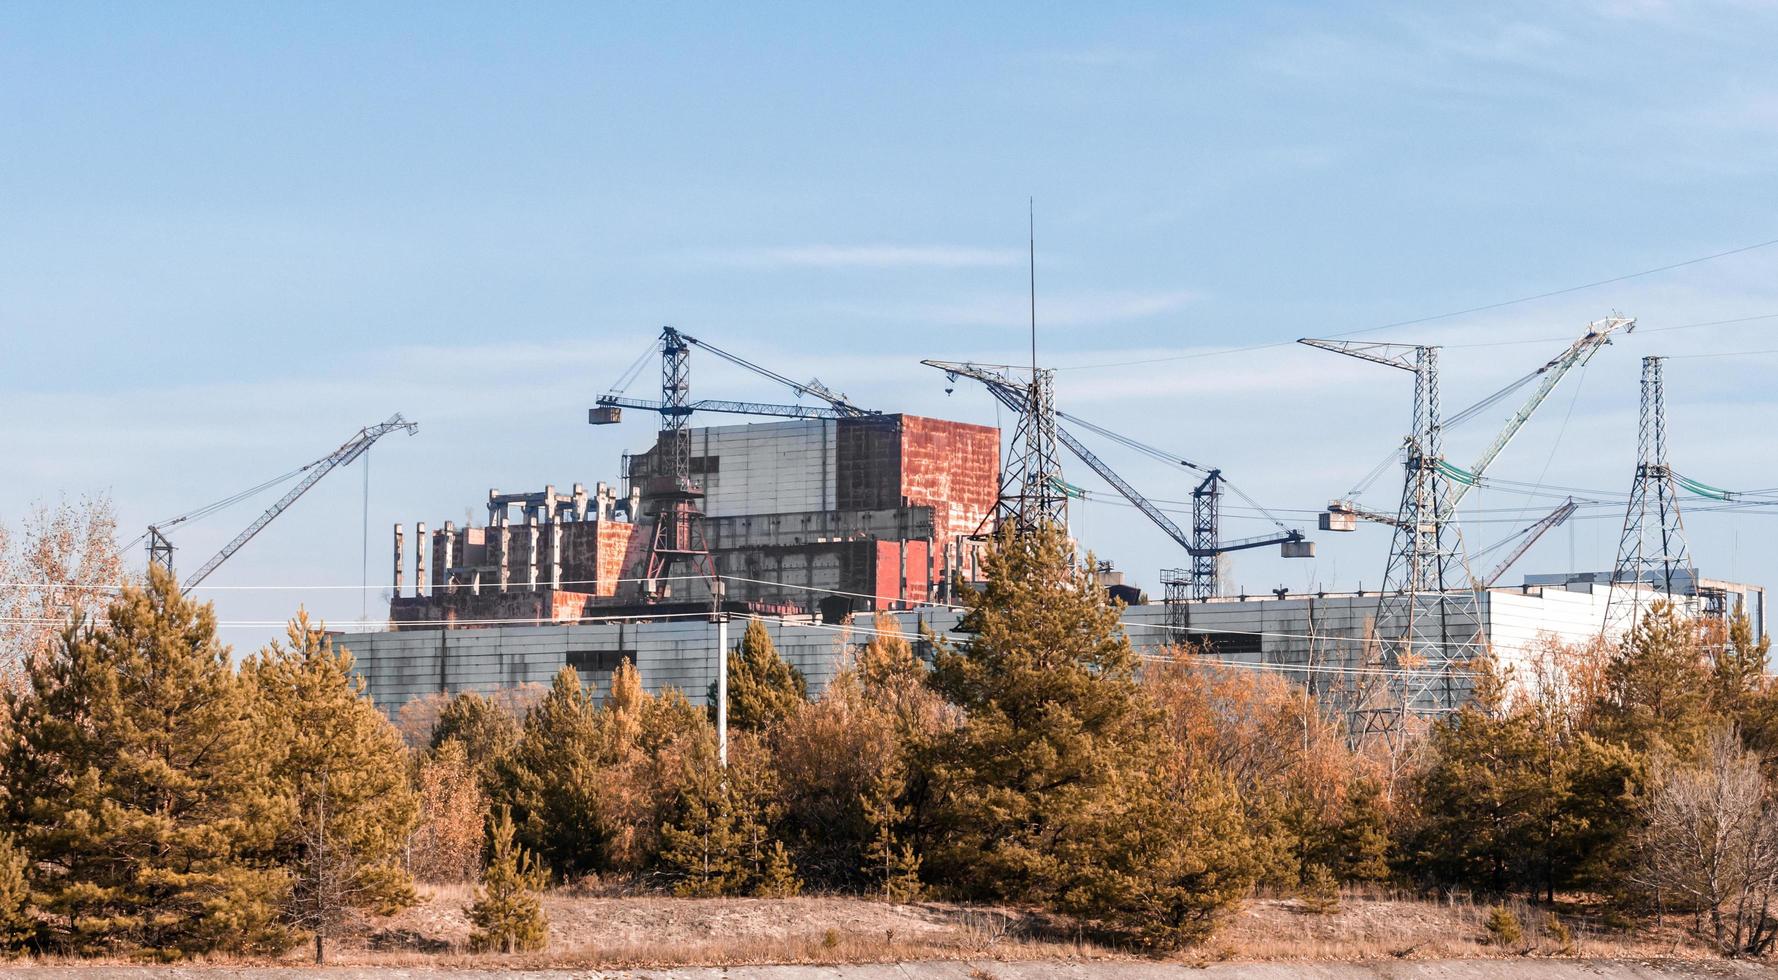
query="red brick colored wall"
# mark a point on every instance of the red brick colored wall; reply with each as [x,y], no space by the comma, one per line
[621,547]
[952,467]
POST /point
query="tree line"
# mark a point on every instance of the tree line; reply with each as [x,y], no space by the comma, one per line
[159,800]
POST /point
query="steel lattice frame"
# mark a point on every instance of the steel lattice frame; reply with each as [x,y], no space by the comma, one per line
[1652,551]
[1032,493]
[1428,626]
[1206,535]
[678,538]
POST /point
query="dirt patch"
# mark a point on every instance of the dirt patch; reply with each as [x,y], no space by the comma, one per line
[661,937]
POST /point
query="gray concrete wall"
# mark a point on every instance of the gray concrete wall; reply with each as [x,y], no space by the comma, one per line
[1314,640]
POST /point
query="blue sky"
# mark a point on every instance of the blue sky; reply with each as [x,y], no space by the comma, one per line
[232,234]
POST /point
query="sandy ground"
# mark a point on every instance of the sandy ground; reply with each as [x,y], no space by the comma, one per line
[841,936]
[989,970]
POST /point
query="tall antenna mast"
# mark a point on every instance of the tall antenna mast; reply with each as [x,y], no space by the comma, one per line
[1031,226]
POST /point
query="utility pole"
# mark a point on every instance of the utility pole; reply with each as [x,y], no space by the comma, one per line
[1652,552]
[720,617]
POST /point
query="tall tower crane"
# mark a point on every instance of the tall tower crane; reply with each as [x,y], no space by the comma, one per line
[1204,543]
[675,498]
[160,549]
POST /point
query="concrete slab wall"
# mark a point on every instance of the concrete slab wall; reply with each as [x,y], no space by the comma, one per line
[1311,640]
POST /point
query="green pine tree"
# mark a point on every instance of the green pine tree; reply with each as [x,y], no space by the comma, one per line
[763,688]
[18,925]
[550,779]
[343,767]
[703,844]
[486,731]
[1060,787]
[889,861]
[1658,686]
[140,790]
[507,914]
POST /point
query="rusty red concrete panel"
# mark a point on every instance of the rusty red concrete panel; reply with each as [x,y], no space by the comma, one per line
[952,467]
[621,548]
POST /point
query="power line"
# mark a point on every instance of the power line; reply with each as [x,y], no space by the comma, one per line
[1457,313]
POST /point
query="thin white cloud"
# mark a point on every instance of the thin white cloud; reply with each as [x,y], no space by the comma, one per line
[873,257]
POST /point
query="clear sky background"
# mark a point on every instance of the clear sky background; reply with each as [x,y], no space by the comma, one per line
[232,234]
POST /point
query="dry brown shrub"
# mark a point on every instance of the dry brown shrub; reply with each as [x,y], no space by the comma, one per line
[446,846]
[63,558]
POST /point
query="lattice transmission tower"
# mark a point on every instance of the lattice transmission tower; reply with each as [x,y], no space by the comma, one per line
[1428,621]
[1652,553]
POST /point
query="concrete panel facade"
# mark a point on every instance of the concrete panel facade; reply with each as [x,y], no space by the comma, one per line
[1314,640]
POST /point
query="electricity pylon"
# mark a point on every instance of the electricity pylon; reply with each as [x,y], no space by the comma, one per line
[1652,552]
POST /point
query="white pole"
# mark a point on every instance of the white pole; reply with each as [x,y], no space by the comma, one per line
[722,688]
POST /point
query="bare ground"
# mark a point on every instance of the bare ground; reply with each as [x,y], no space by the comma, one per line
[1377,935]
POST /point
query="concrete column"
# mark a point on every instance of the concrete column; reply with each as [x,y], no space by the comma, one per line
[496,515]
[400,554]
[531,554]
[555,554]
[450,557]
[505,555]
[932,564]
[901,556]
[580,501]
[422,585]
[549,503]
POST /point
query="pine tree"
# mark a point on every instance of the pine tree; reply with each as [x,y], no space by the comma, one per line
[486,731]
[551,778]
[1060,787]
[702,845]
[777,876]
[17,925]
[718,840]
[1741,692]
[140,790]
[507,915]
[645,743]
[343,767]
[889,861]
[1658,686]
[763,688]
[1513,798]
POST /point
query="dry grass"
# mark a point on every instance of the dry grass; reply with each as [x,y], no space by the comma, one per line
[651,932]
[1382,924]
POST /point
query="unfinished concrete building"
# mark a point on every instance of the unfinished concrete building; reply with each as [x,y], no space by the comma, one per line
[824,517]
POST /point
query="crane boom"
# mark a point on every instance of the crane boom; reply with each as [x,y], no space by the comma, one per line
[1004,389]
[1549,521]
[351,450]
[1578,353]
[732,408]
[842,406]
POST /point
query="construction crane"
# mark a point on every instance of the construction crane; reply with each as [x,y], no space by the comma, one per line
[1206,543]
[675,344]
[1529,536]
[671,493]
[1203,544]
[160,549]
